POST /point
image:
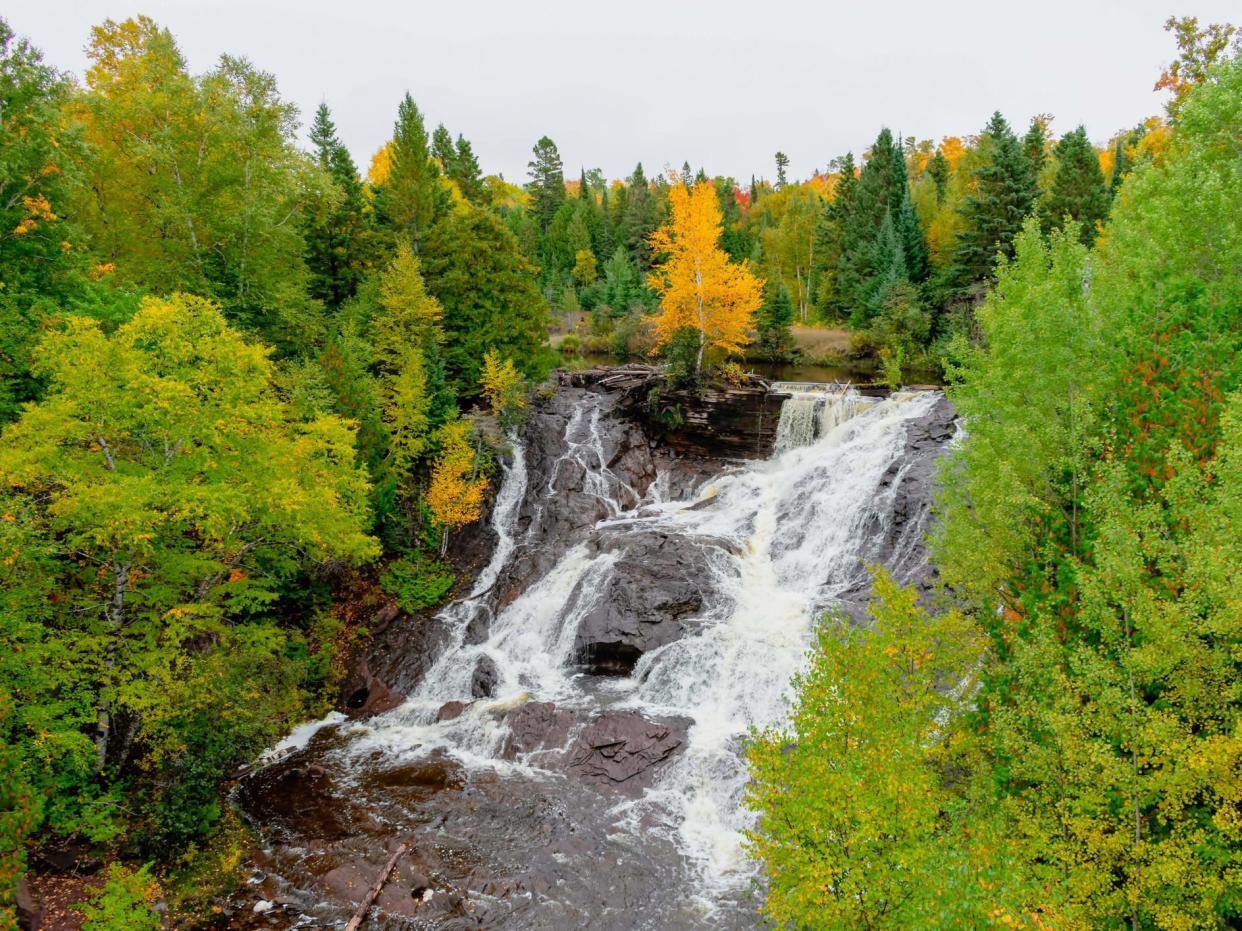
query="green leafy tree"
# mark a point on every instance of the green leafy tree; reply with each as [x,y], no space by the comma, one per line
[41,252]
[938,170]
[196,183]
[173,493]
[855,824]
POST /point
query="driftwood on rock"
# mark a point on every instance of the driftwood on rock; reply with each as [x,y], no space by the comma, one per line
[376,888]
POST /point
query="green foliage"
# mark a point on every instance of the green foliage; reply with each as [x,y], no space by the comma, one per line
[195,183]
[417,583]
[547,182]
[772,322]
[1004,192]
[411,199]
[124,902]
[164,495]
[338,227]
[473,266]
[1078,189]
[855,819]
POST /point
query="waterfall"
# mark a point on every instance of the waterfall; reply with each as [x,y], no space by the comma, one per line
[814,410]
[785,539]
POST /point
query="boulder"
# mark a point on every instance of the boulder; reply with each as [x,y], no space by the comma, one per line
[653,591]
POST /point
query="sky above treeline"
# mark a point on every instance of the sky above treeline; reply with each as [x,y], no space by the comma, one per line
[721,84]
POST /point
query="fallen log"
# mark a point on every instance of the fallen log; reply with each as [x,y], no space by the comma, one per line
[376,888]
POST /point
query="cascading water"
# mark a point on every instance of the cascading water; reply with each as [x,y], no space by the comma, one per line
[784,540]
[813,410]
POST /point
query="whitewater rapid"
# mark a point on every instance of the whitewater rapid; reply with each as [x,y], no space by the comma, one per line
[785,538]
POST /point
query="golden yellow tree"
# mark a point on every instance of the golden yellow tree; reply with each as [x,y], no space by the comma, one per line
[505,389]
[699,287]
[455,496]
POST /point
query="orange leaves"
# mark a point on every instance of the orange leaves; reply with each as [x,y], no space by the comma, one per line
[699,288]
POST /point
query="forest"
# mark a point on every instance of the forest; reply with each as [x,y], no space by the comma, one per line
[247,386]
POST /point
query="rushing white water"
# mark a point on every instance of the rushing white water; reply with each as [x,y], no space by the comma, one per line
[787,536]
[813,410]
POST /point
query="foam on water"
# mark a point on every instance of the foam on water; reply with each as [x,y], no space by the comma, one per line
[785,539]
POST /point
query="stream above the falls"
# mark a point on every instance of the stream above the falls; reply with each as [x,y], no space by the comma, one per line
[571,753]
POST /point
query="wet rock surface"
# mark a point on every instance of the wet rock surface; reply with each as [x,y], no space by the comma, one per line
[546,834]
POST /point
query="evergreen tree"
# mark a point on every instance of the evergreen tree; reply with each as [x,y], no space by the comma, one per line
[467,174]
[487,289]
[338,233]
[1035,145]
[872,203]
[411,200]
[782,163]
[442,150]
[938,169]
[1078,187]
[1004,193]
[773,321]
[889,269]
[547,182]
[641,218]
[910,233]
[830,237]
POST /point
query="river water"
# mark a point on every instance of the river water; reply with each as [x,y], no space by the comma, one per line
[779,542]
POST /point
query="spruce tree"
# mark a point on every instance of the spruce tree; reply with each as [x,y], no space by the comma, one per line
[1035,145]
[938,169]
[641,217]
[1079,191]
[773,320]
[830,237]
[467,174]
[547,182]
[411,200]
[993,213]
[872,203]
[442,150]
[337,237]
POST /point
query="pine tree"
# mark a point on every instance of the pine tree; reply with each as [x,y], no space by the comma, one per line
[1004,194]
[475,269]
[442,150]
[1078,188]
[547,182]
[830,237]
[782,163]
[1035,145]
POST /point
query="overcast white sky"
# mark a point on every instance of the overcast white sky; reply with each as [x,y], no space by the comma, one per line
[721,84]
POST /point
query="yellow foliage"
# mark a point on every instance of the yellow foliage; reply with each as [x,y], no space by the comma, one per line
[381,165]
[502,385]
[699,287]
[455,495]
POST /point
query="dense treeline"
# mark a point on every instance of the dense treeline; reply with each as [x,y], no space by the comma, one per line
[237,376]
[1061,747]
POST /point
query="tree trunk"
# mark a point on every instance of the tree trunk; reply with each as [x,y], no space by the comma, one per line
[116,621]
[376,888]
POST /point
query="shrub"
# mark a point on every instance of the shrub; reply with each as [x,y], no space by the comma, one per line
[417,582]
